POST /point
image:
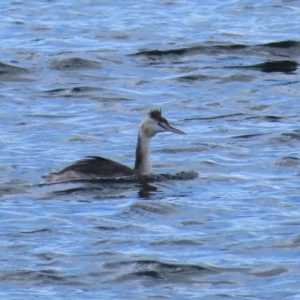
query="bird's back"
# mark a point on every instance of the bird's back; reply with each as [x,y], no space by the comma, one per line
[92,167]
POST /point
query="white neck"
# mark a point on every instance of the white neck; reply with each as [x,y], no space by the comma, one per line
[142,155]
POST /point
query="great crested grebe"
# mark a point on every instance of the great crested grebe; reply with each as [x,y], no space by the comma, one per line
[99,167]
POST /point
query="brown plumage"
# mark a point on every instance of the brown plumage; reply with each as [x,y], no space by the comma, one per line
[98,166]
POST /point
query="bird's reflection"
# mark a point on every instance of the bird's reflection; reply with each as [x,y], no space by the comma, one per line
[146,189]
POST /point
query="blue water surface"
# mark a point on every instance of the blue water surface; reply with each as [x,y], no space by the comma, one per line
[220,217]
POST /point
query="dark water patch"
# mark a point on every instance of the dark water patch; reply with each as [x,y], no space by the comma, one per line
[192,223]
[286,83]
[193,77]
[248,136]
[110,98]
[157,272]
[82,89]
[175,272]
[6,69]
[295,135]
[147,273]
[156,52]
[14,187]
[292,243]
[282,44]
[73,63]
[43,230]
[284,66]
[178,56]
[73,92]
[270,272]
[37,277]
[212,48]
[259,107]
[47,256]
[177,242]
[109,225]
[107,228]
[8,190]
[214,117]
[293,223]
[189,50]
[11,73]
[230,47]
[75,190]
[266,118]
[56,91]
[288,161]
[141,82]
[273,64]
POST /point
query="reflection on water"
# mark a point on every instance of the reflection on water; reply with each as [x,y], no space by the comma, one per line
[111,187]
[76,78]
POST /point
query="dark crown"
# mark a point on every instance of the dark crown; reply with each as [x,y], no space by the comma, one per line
[156,114]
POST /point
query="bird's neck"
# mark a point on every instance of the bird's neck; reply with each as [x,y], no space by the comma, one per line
[142,155]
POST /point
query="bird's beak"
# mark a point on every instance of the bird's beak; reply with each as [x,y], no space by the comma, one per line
[171,129]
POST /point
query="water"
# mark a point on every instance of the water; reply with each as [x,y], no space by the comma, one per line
[76,79]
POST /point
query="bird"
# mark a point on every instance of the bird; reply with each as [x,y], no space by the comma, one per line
[99,167]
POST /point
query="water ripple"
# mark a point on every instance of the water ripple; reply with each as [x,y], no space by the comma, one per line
[220,216]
